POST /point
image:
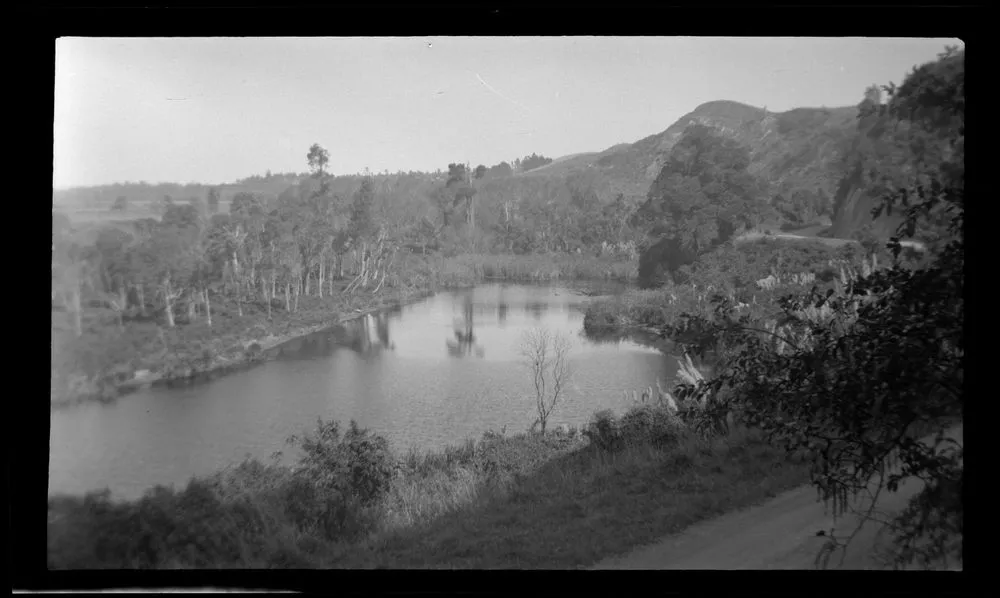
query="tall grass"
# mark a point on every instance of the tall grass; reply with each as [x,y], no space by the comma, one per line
[643,308]
[470,269]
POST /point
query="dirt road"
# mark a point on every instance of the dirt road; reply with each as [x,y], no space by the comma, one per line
[780,534]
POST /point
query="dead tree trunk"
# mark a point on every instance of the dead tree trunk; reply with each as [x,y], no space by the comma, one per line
[168,300]
[208,307]
[319,283]
[298,292]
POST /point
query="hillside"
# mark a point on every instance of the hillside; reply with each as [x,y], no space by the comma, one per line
[803,150]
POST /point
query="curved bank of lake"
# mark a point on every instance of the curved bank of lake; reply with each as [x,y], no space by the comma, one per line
[425,375]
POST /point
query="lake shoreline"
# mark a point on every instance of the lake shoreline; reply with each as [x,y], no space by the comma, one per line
[241,355]
[249,350]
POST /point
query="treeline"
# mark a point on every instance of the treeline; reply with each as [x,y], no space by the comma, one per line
[217,271]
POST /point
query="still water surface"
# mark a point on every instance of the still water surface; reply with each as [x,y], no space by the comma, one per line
[424,375]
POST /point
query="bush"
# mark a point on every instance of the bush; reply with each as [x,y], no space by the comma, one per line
[650,425]
[192,528]
[358,465]
[603,431]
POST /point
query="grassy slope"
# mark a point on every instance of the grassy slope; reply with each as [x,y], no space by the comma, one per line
[582,507]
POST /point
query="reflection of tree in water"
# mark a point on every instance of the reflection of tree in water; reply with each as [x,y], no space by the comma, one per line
[536,309]
[367,335]
[464,342]
[373,336]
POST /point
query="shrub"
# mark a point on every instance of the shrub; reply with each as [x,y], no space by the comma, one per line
[647,424]
[358,465]
[650,424]
[603,432]
[192,528]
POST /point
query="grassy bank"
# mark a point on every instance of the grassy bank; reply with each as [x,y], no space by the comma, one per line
[107,360]
[521,501]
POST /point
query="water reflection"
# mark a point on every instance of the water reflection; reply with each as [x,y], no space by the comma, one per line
[464,342]
[536,309]
[368,336]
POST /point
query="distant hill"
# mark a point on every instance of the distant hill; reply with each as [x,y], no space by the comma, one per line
[802,148]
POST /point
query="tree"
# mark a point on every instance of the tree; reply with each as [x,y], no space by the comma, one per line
[704,193]
[318,159]
[501,170]
[121,204]
[165,203]
[856,377]
[213,200]
[170,258]
[546,356]
[532,162]
[70,274]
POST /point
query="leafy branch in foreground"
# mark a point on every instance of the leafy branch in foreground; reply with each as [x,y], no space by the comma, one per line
[854,377]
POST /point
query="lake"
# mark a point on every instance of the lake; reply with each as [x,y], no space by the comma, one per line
[425,375]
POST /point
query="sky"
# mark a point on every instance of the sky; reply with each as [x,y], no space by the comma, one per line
[214,110]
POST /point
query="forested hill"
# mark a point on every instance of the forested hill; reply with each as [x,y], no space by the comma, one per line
[806,154]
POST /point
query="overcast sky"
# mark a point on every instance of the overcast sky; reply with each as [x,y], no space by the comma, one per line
[214,110]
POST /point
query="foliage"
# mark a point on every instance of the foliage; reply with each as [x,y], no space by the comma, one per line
[856,375]
[192,528]
[530,162]
[356,464]
[702,196]
[654,425]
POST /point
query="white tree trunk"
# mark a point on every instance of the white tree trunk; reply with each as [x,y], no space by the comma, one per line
[288,296]
[168,300]
[319,283]
[208,308]
[122,295]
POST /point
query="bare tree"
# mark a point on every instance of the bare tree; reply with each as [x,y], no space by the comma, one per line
[545,354]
